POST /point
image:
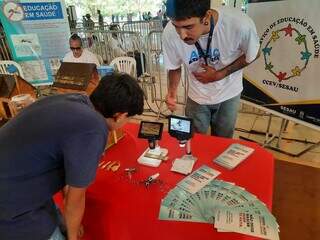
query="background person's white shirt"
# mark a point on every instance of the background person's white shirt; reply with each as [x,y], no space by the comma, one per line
[116,48]
[86,57]
[234,35]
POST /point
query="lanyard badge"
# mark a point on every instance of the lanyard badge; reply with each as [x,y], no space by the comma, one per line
[200,50]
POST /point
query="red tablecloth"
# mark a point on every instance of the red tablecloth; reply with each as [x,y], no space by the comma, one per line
[119,209]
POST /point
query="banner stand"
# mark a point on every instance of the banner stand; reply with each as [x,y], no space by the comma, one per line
[283,81]
[37,33]
[315,145]
[270,137]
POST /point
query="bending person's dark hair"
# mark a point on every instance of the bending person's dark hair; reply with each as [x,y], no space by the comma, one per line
[183,9]
[118,92]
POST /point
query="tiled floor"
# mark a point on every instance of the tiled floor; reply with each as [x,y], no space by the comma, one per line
[296,138]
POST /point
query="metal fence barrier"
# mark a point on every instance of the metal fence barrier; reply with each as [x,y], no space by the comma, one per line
[4,48]
[143,27]
[155,86]
[108,45]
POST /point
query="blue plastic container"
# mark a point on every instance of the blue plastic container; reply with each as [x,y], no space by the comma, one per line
[105,70]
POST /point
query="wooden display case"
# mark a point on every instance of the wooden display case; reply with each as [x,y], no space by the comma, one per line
[11,85]
[74,76]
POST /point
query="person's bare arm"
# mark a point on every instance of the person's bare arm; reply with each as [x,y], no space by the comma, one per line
[174,79]
[73,210]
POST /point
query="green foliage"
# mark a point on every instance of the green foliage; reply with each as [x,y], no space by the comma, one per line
[116,7]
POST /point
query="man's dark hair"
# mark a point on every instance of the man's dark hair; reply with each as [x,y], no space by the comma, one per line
[75,37]
[118,92]
[183,9]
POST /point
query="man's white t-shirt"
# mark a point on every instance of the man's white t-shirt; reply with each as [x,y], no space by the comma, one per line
[234,35]
[86,57]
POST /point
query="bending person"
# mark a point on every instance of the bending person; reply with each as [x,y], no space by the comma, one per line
[54,142]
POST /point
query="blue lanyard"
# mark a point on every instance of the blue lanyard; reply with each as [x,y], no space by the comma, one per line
[200,50]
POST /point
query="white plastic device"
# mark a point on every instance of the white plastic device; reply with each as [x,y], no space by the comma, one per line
[153,157]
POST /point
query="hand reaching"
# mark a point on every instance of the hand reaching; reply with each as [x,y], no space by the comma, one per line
[171,103]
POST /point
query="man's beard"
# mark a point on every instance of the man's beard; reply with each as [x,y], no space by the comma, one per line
[189,41]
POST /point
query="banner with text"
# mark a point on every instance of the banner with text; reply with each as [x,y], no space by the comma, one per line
[285,77]
[37,32]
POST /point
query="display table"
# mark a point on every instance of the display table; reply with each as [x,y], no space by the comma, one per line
[121,209]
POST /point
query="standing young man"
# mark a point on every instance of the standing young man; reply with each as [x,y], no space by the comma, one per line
[215,45]
[54,142]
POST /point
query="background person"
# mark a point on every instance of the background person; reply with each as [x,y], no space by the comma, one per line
[115,43]
[90,22]
[125,45]
[215,45]
[100,20]
[84,22]
[78,54]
